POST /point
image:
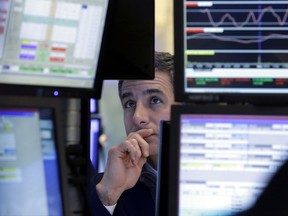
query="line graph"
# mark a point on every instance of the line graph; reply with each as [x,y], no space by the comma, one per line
[251,17]
[235,39]
[238,26]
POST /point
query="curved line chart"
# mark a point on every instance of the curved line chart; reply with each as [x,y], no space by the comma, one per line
[258,24]
[236,31]
[250,17]
[230,39]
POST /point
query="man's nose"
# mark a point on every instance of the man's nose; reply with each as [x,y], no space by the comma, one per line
[140,117]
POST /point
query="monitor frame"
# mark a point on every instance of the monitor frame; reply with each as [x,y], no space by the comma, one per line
[174,150]
[57,106]
[163,169]
[207,96]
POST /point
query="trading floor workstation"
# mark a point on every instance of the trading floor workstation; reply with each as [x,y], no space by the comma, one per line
[228,138]
[223,152]
[54,58]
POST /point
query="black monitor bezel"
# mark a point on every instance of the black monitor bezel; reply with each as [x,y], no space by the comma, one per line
[57,107]
[163,169]
[51,91]
[229,97]
[174,150]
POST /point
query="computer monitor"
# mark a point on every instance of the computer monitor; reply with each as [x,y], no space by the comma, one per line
[129,41]
[52,48]
[33,177]
[231,51]
[223,156]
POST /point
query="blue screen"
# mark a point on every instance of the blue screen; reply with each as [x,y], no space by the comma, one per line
[29,171]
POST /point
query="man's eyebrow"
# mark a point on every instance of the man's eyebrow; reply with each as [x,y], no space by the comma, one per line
[152,91]
[126,95]
[146,92]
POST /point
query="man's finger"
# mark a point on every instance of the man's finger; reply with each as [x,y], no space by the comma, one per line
[144,132]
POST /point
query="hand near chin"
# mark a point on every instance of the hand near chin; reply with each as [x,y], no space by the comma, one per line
[124,166]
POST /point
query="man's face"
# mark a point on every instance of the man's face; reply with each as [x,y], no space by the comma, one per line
[145,104]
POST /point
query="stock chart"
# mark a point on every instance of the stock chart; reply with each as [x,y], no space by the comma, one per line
[246,40]
[251,29]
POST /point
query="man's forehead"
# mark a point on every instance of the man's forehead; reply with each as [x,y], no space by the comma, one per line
[131,91]
[132,84]
[161,81]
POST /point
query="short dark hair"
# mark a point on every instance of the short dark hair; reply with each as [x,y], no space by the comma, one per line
[163,62]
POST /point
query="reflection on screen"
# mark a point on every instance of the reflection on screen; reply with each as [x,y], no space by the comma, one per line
[226,161]
[29,181]
[51,43]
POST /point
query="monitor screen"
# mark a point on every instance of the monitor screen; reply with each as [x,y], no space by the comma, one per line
[94,106]
[52,47]
[231,50]
[223,157]
[95,124]
[31,167]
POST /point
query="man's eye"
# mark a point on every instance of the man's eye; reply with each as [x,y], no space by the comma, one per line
[155,100]
[129,104]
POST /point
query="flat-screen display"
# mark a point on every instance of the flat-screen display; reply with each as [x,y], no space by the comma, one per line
[32,173]
[52,47]
[129,41]
[231,51]
[223,157]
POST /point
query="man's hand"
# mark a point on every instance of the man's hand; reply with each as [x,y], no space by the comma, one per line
[124,166]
